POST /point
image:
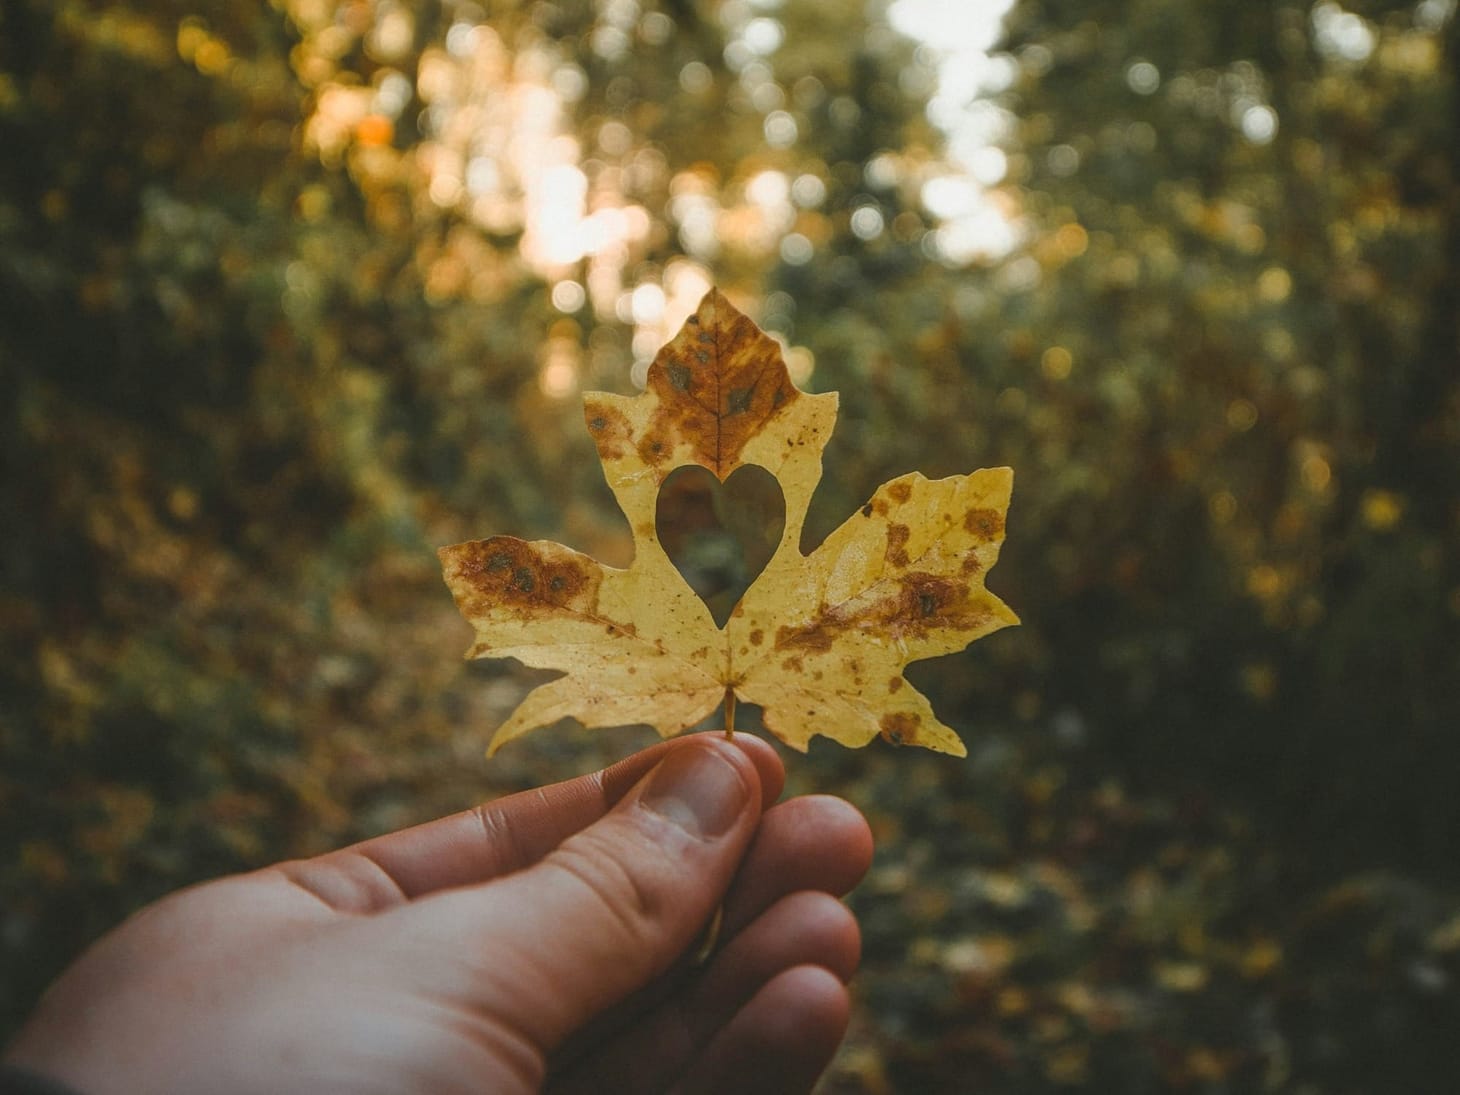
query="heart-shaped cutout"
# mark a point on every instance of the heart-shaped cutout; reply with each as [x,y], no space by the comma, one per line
[720,536]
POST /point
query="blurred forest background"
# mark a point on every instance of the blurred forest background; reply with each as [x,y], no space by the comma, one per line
[292,293]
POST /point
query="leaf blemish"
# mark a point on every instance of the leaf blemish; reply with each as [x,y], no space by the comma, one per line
[610,431]
[899,727]
[987,523]
[897,538]
[816,637]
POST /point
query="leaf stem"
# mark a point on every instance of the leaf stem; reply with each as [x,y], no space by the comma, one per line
[729,712]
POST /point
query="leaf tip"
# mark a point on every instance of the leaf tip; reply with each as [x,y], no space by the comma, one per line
[1001,479]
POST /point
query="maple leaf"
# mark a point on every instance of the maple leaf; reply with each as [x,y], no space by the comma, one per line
[818,641]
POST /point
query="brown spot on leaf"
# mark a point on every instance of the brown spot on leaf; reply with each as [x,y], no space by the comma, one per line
[918,604]
[987,523]
[817,636]
[867,510]
[894,684]
[793,664]
[929,600]
[521,577]
[900,492]
[757,637]
[655,448]
[899,727]
[609,428]
[897,538]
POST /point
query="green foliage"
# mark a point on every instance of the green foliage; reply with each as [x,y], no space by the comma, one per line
[281,311]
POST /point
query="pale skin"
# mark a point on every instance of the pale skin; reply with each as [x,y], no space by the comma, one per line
[545,941]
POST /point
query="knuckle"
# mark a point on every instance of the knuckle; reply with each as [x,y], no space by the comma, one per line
[629,893]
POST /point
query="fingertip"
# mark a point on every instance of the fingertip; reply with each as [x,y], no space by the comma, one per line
[823,930]
[805,1013]
[818,1008]
[848,829]
[841,927]
[706,785]
[769,769]
[617,780]
[768,766]
[805,928]
[781,1041]
[809,842]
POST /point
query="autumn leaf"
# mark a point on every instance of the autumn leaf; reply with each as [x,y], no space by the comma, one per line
[818,641]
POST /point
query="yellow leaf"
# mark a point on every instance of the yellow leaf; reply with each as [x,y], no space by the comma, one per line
[819,642]
[1182,976]
[1261,958]
[1381,509]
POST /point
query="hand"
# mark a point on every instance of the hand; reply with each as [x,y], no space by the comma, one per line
[542,941]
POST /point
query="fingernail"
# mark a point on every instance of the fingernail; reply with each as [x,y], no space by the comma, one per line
[697,789]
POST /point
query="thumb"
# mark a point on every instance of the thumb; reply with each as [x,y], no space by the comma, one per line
[615,904]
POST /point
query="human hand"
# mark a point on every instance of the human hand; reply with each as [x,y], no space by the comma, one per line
[543,941]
